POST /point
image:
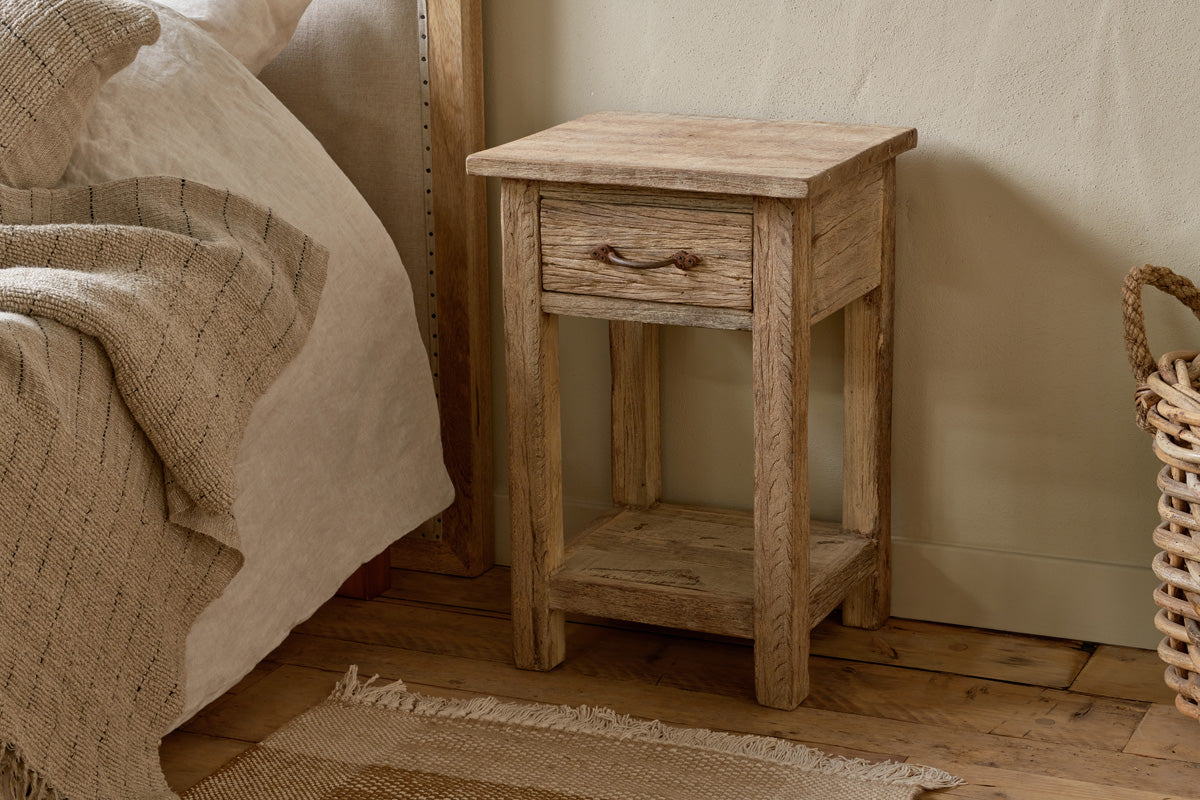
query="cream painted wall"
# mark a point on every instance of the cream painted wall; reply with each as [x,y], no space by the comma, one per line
[1058,148]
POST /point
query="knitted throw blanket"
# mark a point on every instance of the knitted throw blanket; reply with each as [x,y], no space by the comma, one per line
[139,320]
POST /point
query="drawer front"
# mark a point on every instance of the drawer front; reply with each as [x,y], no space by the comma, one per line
[648,227]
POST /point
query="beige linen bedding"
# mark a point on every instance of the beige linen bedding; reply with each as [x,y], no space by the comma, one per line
[139,320]
[343,454]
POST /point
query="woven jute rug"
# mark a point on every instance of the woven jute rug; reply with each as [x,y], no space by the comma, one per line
[377,743]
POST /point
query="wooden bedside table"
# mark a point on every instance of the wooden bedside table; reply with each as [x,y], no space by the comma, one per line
[767,226]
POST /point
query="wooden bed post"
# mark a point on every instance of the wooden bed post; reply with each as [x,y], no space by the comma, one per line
[464,543]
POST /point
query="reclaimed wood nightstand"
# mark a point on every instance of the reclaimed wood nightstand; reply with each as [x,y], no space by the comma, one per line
[767,226]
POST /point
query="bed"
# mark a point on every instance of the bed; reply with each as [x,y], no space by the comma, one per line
[380,424]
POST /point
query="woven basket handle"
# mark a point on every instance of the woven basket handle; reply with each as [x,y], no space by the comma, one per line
[1165,280]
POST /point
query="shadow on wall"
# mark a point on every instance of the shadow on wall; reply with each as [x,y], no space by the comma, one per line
[1013,399]
[526,86]
[513,107]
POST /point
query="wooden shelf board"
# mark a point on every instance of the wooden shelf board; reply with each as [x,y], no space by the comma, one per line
[693,568]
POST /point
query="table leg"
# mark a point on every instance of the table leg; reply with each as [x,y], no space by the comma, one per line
[534,436]
[636,437]
[867,447]
[781,336]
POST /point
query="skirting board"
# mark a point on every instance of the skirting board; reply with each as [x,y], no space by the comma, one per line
[1016,592]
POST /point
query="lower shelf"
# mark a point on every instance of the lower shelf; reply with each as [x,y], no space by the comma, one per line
[693,568]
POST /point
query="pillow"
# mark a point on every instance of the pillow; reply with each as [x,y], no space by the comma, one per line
[253,31]
[54,54]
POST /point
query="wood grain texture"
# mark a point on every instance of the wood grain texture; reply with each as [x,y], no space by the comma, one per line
[1012,658]
[865,690]
[723,668]
[612,308]
[667,565]
[885,691]
[930,646]
[1125,672]
[462,541]
[423,629]
[772,158]
[627,195]
[867,439]
[1165,733]
[904,692]
[534,434]
[253,714]
[491,591]
[693,568]
[774,260]
[988,783]
[188,758]
[848,233]
[979,756]
[371,579]
[1017,711]
[828,585]
[623,659]
[636,413]
[781,347]
[644,232]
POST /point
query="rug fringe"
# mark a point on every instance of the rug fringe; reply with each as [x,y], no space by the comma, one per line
[18,781]
[606,722]
[351,690]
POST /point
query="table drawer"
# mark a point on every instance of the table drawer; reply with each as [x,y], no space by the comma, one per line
[647,227]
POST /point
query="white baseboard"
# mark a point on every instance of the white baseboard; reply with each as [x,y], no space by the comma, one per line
[1105,603]
[1022,593]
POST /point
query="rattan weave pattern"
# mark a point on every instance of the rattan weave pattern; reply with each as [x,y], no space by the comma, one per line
[1168,406]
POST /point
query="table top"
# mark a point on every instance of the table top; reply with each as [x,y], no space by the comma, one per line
[771,158]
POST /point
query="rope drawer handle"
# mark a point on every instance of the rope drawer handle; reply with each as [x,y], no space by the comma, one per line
[609,255]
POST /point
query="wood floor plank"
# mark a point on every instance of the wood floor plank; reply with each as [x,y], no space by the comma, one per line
[1032,660]
[491,591]
[720,668]
[915,695]
[478,634]
[990,707]
[188,758]
[390,664]
[934,745]
[260,671]
[989,783]
[1125,672]
[255,713]
[616,653]
[1166,733]
[430,630]
[953,701]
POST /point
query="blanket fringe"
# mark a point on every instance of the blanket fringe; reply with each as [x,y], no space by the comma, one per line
[18,781]
[606,722]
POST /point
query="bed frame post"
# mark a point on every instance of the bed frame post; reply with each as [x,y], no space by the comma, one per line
[462,544]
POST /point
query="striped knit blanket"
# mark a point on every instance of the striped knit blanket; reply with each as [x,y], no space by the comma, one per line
[139,320]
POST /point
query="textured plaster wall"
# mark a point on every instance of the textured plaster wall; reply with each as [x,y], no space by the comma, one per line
[1058,148]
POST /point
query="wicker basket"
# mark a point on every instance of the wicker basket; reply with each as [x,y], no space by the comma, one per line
[1168,406]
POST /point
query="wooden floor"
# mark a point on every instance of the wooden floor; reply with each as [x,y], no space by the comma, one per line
[1021,718]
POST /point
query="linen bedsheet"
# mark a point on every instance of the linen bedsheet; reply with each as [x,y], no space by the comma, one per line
[342,455]
[139,321]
